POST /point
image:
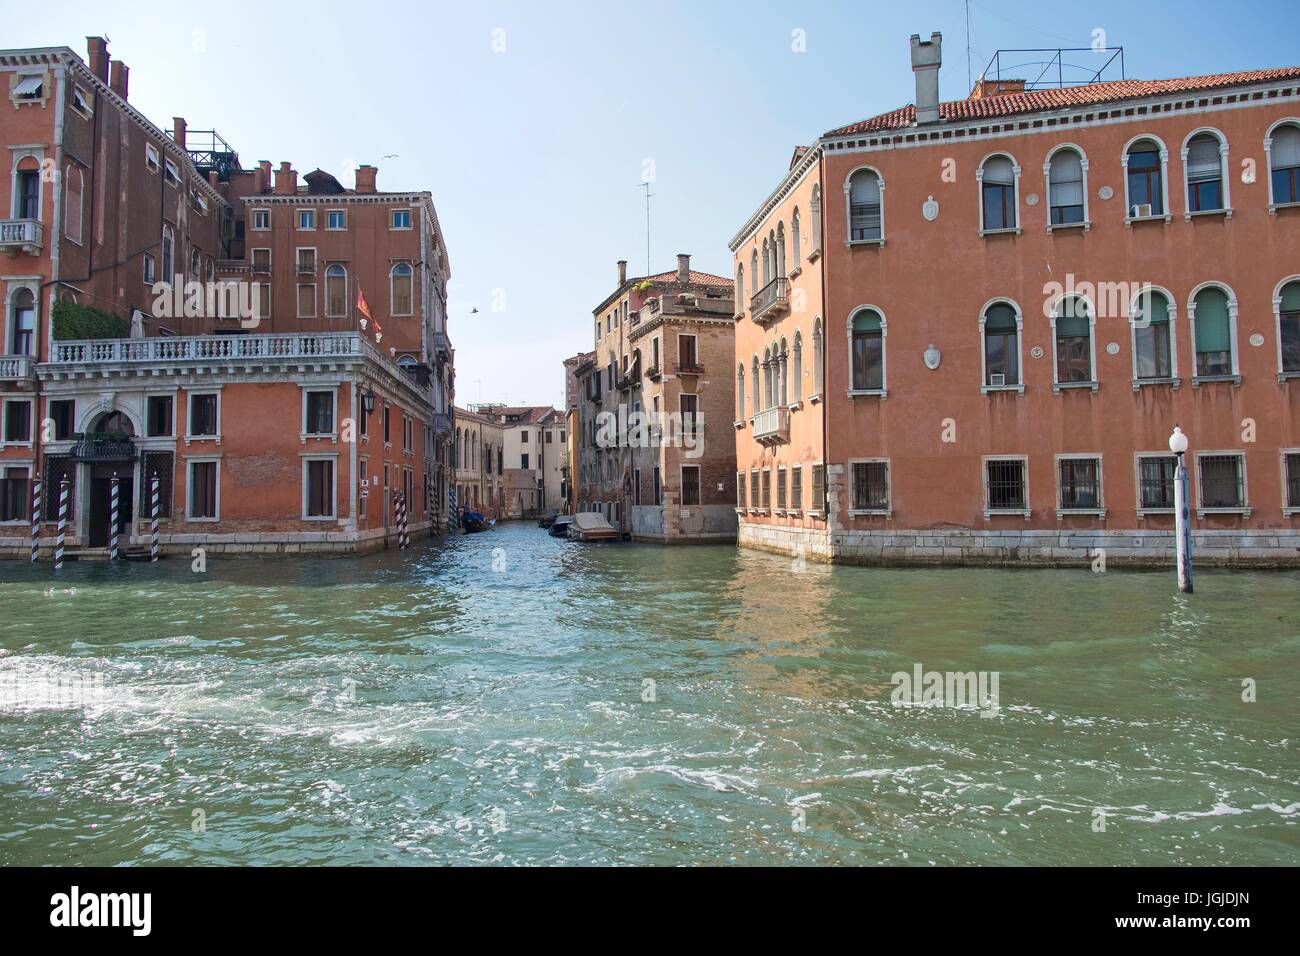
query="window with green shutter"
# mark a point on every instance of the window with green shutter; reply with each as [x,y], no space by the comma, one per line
[1213,333]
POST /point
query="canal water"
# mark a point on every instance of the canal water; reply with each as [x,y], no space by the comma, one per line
[512,698]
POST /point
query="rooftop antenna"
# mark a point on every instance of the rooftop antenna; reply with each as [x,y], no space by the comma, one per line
[968,78]
[648,195]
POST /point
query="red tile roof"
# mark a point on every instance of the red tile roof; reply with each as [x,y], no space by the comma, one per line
[696,278]
[1034,101]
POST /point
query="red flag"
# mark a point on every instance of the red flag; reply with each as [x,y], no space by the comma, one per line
[365,311]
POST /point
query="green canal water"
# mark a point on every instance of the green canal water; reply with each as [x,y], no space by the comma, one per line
[486,700]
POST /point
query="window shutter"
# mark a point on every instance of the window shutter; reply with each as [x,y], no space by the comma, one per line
[1290,297]
[865,188]
[1212,321]
[1155,308]
[1069,325]
[1000,319]
[999,170]
[1203,158]
[1067,179]
[866,321]
[1286,147]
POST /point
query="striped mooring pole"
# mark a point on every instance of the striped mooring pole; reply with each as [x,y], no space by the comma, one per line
[403,539]
[153,517]
[114,500]
[63,524]
[451,509]
[36,516]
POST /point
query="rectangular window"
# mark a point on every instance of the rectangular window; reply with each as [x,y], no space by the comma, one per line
[306,219]
[818,503]
[523,461]
[796,488]
[320,488]
[262,261]
[754,499]
[1291,477]
[158,422]
[1222,481]
[306,300]
[388,417]
[151,160]
[306,262]
[18,421]
[336,219]
[170,173]
[1005,484]
[203,489]
[401,219]
[687,359]
[523,438]
[740,489]
[870,488]
[780,489]
[261,220]
[658,488]
[1079,480]
[160,465]
[765,479]
[14,494]
[203,415]
[61,413]
[550,438]
[320,413]
[690,484]
[1156,482]
[690,408]
[150,269]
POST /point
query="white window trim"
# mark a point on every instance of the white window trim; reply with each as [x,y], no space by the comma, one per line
[1129,218]
[297,220]
[1225,179]
[1246,509]
[171,436]
[848,217]
[1282,375]
[270,260]
[1092,382]
[1138,457]
[32,423]
[1235,376]
[1062,511]
[297,300]
[1013,230]
[820,511]
[1086,225]
[1287,509]
[342,228]
[888,510]
[333,390]
[332,457]
[410,214]
[152,158]
[1273,204]
[252,219]
[297,260]
[1019,387]
[189,409]
[989,512]
[346,286]
[171,172]
[883,391]
[392,289]
[81,102]
[28,464]
[189,488]
[1134,313]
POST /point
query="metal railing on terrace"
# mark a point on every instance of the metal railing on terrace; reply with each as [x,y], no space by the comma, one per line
[170,348]
[771,301]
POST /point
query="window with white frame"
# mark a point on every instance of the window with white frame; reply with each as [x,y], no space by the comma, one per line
[1291,480]
[306,260]
[1078,483]
[204,419]
[18,421]
[22,323]
[740,489]
[318,412]
[151,159]
[401,219]
[260,220]
[998,207]
[780,487]
[14,492]
[1001,330]
[796,487]
[1006,485]
[150,269]
[867,350]
[203,489]
[866,206]
[818,356]
[1156,473]
[1221,481]
[336,219]
[262,261]
[1204,156]
[336,291]
[1153,337]
[1212,320]
[1288,327]
[1283,148]
[818,503]
[796,394]
[1067,188]
[306,219]
[1072,341]
[1144,179]
[869,486]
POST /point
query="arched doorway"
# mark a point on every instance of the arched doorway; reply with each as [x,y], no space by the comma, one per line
[109,452]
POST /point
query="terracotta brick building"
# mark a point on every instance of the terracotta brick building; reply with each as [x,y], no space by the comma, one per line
[662,343]
[273,416]
[969,327]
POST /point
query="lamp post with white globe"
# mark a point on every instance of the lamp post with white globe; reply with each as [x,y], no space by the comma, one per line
[1182,516]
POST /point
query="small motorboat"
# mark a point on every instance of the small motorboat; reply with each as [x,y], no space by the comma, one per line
[473,521]
[546,520]
[560,526]
[592,526]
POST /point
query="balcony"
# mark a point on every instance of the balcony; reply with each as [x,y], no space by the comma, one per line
[216,348]
[772,301]
[103,446]
[306,267]
[772,426]
[21,235]
[441,423]
[17,368]
[441,345]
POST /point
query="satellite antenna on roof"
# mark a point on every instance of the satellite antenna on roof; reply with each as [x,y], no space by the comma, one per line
[648,194]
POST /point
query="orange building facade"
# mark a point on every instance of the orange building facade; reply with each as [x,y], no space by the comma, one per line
[171,315]
[971,327]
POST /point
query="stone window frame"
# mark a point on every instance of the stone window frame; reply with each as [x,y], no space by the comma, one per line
[306,457]
[888,510]
[1167,216]
[1245,509]
[1019,387]
[190,394]
[1134,316]
[1086,224]
[333,390]
[190,461]
[1092,383]
[1225,177]
[1138,457]
[1100,510]
[1234,377]
[1014,229]
[32,423]
[990,512]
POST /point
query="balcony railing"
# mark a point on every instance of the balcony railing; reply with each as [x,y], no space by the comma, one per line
[103,446]
[689,368]
[16,368]
[21,235]
[208,347]
[772,301]
[772,425]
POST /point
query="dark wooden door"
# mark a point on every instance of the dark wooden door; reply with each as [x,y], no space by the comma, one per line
[101,490]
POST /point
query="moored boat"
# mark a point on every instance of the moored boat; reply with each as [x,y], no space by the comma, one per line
[560,526]
[592,526]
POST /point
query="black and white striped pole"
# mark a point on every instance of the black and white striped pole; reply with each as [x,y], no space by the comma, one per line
[1182,512]
[153,518]
[63,524]
[114,503]
[36,517]
[403,540]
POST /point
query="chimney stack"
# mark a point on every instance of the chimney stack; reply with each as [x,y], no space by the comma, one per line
[97,50]
[263,175]
[683,267]
[117,78]
[286,181]
[366,176]
[622,272]
[178,131]
[926,58]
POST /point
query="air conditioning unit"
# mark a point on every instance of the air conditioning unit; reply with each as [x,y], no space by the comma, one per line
[997,379]
[1142,211]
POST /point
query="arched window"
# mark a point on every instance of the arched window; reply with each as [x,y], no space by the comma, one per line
[22,337]
[1001,324]
[336,291]
[798,366]
[768,391]
[867,351]
[780,250]
[998,194]
[767,261]
[168,253]
[1067,191]
[1283,149]
[740,391]
[401,290]
[456,455]
[740,289]
[1144,162]
[1153,355]
[209,268]
[818,356]
[1288,326]
[1204,156]
[1072,340]
[194,263]
[1212,314]
[816,206]
[73,186]
[753,271]
[794,239]
[866,214]
[758,389]
[784,372]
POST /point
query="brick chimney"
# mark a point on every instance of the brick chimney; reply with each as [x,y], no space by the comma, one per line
[178,131]
[263,175]
[97,52]
[213,178]
[366,176]
[986,89]
[117,77]
[683,267]
[622,272]
[927,56]
[286,181]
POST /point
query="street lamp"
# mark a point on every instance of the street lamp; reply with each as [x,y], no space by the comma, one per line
[1182,517]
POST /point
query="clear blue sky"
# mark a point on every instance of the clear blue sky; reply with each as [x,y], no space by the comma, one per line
[534,154]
